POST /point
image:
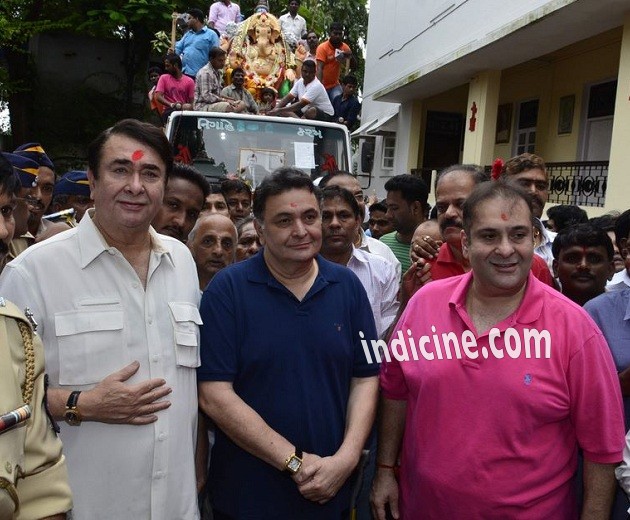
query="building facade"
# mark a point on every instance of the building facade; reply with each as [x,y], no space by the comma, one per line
[473,80]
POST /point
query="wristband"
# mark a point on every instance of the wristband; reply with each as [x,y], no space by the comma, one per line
[385,466]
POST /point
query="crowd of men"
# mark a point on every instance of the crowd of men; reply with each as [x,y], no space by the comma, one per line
[213,353]
[195,74]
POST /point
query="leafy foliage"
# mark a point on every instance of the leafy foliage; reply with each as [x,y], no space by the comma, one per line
[111,15]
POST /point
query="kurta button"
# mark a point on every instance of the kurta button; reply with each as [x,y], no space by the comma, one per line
[8,467]
[155,358]
[162,436]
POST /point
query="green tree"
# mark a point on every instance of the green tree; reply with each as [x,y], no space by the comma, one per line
[19,21]
[135,22]
[132,21]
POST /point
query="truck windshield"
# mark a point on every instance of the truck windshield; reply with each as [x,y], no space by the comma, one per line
[254,147]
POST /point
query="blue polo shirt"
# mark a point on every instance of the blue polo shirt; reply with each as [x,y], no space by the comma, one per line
[611,312]
[194,47]
[292,362]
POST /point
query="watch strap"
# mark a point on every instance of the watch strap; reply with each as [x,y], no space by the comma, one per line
[73,398]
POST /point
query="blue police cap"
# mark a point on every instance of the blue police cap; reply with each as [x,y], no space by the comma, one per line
[74,182]
[35,152]
[26,169]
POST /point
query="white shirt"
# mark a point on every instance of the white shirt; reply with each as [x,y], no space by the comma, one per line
[380,282]
[619,281]
[94,318]
[544,249]
[315,94]
[376,247]
[296,26]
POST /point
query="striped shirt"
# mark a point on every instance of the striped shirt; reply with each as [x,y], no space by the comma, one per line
[401,251]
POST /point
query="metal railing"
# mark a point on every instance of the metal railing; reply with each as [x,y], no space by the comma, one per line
[581,183]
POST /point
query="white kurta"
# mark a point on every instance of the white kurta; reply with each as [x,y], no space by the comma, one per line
[94,318]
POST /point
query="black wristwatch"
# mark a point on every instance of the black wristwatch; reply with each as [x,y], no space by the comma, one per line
[293,464]
[72,415]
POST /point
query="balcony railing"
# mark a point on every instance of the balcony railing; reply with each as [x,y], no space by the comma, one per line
[580,183]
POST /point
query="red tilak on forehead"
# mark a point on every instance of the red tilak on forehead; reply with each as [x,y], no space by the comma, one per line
[504,216]
[137,155]
[293,204]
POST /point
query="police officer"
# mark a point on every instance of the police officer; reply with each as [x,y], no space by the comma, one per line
[33,476]
[72,192]
[26,170]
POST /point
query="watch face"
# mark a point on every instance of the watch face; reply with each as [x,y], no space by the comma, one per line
[72,417]
[294,464]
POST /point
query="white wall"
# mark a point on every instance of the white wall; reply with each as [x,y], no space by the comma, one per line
[439,32]
[371,110]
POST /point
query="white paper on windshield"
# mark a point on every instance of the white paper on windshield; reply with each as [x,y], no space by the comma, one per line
[304,155]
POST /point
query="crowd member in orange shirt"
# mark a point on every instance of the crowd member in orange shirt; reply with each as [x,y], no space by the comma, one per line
[330,55]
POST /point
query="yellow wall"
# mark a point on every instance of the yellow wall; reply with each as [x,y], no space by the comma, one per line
[567,71]
[618,192]
[548,78]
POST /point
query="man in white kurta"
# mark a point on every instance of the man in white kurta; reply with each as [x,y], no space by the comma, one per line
[116,307]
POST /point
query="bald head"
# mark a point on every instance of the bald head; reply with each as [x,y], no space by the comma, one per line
[212,243]
[429,228]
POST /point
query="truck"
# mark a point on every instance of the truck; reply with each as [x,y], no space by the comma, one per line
[252,146]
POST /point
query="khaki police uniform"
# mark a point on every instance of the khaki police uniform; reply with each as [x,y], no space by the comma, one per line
[33,475]
[19,245]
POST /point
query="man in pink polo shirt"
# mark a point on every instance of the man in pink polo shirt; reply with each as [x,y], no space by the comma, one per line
[494,382]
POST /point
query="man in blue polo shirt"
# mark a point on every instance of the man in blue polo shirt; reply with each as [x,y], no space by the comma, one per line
[283,373]
[196,43]
[611,312]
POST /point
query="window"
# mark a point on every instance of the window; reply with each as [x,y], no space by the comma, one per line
[389,149]
[526,131]
[601,101]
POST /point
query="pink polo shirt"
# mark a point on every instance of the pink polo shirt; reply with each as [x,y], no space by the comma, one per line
[493,432]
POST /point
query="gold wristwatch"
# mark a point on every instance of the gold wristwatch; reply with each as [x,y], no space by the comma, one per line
[293,464]
[72,415]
